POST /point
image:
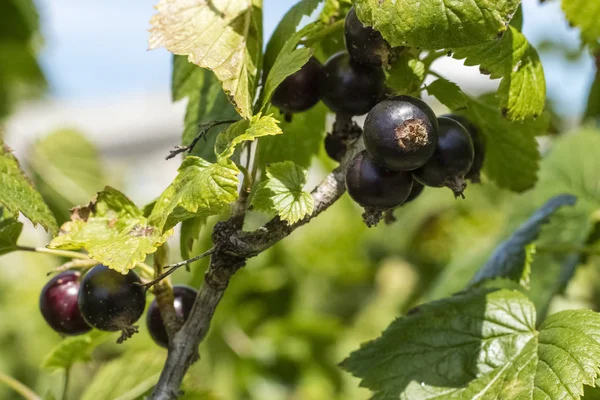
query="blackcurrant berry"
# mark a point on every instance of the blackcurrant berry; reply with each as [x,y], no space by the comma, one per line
[417,189]
[300,91]
[375,187]
[184,300]
[335,147]
[365,44]
[350,88]
[401,133]
[474,173]
[58,304]
[452,159]
[111,301]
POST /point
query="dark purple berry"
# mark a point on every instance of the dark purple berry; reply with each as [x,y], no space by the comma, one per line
[365,44]
[452,159]
[350,88]
[301,90]
[111,301]
[184,300]
[58,304]
[375,187]
[335,147]
[401,133]
[474,173]
[417,189]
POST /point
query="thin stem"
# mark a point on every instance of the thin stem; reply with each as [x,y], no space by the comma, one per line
[53,252]
[66,384]
[323,33]
[174,267]
[204,128]
[18,387]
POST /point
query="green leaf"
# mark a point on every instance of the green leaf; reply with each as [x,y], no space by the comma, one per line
[510,257]
[584,15]
[481,344]
[449,94]
[127,377]
[522,91]
[201,189]
[18,193]
[74,349]
[67,170]
[512,155]
[244,131]
[436,24]
[113,230]
[406,74]
[286,28]
[593,103]
[282,192]
[223,36]
[206,102]
[10,230]
[302,138]
[190,233]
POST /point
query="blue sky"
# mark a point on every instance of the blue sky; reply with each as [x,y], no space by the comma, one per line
[99,49]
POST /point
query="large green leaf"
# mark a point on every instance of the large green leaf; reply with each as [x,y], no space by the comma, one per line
[74,349]
[224,36]
[512,155]
[201,189]
[18,193]
[113,230]
[128,377]
[10,230]
[481,344]
[67,170]
[437,24]
[522,91]
[302,138]
[206,102]
[510,257]
[244,131]
[584,14]
[282,192]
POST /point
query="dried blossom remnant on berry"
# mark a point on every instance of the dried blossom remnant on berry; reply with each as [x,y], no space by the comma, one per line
[412,134]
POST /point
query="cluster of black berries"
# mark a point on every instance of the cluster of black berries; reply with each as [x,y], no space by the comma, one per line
[106,300]
[349,83]
[407,146]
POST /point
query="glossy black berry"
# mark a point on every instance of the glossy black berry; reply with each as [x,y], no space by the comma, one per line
[474,173]
[365,44]
[452,159]
[58,304]
[375,187]
[335,147]
[184,300]
[111,301]
[350,88]
[417,189]
[401,133]
[300,91]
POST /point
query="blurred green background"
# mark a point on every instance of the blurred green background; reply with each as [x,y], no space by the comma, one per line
[295,311]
